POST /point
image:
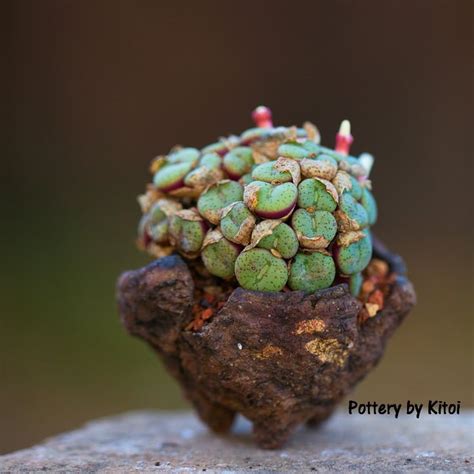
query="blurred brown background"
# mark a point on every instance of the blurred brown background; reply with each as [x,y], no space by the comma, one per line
[95,89]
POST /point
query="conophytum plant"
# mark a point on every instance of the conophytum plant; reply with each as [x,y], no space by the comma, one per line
[271,209]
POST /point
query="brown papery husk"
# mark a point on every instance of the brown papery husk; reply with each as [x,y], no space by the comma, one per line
[261,230]
[290,165]
[342,182]
[242,237]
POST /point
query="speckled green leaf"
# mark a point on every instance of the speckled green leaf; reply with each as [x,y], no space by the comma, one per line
[311,271]
[257,269]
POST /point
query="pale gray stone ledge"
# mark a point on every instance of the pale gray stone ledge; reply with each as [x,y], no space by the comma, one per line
[178,442]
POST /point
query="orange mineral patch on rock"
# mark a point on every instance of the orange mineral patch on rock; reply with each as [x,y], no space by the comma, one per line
[269,351]
[327,350]
[310,326]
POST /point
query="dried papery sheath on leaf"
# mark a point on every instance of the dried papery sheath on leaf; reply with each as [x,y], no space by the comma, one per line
[277,281]
[157,163]
[217,197]
[354,257]
[202,177]
[269,173]
[281,241]
[316,194]
[312,132]
[342,182]
[186,192]
[323,167]
[237,223]
[186,230]
[154,224]
[351,215]
[354,169]
[315,230]
[266,150]
[290,166]
[159,251]
[151,195]
[262,230]
[346,238]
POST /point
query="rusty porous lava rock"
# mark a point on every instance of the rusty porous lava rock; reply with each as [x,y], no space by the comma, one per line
[279,359]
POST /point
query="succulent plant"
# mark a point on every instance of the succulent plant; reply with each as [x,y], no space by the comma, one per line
[270,201]
[237,223]
[271,209]
[212,201]
[171,176]
[184,155]
[312,271]
[219,254]
[281,241]
[238,161]
[270,174]
[323,167]
[258,269]
[277,276]
[186,232]
[315,230]
[315,194]
[355,256]
[153,228]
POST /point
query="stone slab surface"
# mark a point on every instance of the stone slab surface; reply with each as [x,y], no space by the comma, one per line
[178,442]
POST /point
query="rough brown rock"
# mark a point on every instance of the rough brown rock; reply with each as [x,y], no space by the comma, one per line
[280,359]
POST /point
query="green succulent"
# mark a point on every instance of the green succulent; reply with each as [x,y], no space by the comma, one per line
[258,269]
[316,194]
[171,176]
[270,209]
[184,155]
[219,254]
[351,215]
[295,150]
[370,205]
[269,173]
[312,271]
[186,231]
[210,160]
[238,161]
[217,197]
[154,224]
[237,223]
[354,257]
[355,283]
[323,167]
[282,241]
[315,230]
[270,201]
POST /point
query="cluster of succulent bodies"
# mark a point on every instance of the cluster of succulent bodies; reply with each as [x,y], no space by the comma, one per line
[272,208]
